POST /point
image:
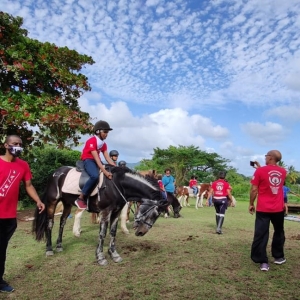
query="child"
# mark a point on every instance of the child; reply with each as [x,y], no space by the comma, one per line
[92,163]
[193,185]
[114,154]
[161,186]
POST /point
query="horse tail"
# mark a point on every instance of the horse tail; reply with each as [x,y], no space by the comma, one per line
[39,225]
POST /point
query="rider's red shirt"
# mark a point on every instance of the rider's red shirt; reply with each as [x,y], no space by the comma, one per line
[11,175]
[92,144]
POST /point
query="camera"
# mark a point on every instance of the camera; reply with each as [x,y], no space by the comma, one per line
[252,163]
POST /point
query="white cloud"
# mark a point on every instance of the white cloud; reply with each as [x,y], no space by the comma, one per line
[287,113]
[265,134]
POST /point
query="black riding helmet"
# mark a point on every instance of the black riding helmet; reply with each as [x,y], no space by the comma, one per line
[113,153]
[102,125]
[122,163]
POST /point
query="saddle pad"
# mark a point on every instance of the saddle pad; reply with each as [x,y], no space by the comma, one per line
[71,184]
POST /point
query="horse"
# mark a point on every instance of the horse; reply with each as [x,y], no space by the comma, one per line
[109,200]
[182,194]
[203,189]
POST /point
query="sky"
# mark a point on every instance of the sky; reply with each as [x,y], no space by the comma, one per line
[221,75]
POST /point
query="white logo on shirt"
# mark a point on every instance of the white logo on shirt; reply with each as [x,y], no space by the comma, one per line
[275,181]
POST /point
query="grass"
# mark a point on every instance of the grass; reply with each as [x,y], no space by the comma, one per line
[178,259]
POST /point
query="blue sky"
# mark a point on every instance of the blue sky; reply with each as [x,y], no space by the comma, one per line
[220,75]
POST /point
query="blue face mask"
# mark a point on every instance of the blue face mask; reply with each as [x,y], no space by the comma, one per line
[15,150]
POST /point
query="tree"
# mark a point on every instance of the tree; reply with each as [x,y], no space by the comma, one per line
[185,161]
[40,84]
[292,175]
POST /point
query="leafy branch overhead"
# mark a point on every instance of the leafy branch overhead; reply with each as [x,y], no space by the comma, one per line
[40,84]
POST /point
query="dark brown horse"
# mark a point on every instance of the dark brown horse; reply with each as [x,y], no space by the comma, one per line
[110,199]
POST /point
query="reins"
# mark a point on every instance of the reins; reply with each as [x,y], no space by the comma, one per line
[136,219]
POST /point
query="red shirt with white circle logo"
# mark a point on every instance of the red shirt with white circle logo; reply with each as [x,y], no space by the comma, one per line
[269,180]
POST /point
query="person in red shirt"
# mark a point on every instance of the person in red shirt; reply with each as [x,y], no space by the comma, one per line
[267,185]
[13,171]
[193,184]
[220,190]
[92,162]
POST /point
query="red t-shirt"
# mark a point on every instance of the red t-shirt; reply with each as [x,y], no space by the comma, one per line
[269,180]
[193,182]
[93,143]
[220,188]
[11,175]
[161,185]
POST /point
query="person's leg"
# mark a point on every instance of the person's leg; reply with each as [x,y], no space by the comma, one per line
[261,237]
[93,171]
[222,210]
[278,240]
[7,229]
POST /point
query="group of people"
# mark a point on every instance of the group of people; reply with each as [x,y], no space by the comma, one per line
[266,186]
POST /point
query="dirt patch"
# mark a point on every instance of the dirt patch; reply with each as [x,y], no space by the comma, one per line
[25,215]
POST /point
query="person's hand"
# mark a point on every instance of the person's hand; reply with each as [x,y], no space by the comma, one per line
[41,206]
[108,175]
[251,209]
[256,165]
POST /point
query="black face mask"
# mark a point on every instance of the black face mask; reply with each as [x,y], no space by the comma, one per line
[15,150]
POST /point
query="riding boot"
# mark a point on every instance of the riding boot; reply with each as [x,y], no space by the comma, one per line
[220,224]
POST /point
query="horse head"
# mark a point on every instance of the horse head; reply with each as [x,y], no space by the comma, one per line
[149,211]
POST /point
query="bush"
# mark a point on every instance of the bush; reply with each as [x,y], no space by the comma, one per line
[43,162]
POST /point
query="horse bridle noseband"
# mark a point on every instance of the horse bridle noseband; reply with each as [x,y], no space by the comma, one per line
[138,220]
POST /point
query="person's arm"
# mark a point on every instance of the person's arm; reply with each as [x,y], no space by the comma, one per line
[31,191]
[210,193]
[256,165]
[253,195]
[100,165]
[294,193]
[229,196]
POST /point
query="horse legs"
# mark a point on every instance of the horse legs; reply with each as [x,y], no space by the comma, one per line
[124,214]
[77,221]
[102,234]
[112,247]
[63,220]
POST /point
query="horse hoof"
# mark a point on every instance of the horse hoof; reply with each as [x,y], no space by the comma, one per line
[103,262]
[49,253]
[126,231]
[117,259]
[115,256]
[59,249]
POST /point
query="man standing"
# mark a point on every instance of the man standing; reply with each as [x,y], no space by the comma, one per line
[168,181]
[267,184]
[13,170]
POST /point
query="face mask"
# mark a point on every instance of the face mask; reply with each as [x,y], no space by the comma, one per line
[15,150]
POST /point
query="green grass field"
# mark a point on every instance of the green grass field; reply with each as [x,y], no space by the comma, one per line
[178,259]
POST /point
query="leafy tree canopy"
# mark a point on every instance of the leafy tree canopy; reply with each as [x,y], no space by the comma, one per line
[40,84]
[185,161]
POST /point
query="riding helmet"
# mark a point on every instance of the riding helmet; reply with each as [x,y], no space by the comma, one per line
[122,163]
[102,125]
[113,153]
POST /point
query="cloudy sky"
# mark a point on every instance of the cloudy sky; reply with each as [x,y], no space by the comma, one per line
[221,75]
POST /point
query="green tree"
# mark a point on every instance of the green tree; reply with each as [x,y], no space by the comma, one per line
[40,84]
[185,161]
[292,175]
[43,162]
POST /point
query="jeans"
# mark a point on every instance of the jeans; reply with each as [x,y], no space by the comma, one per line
[195,190]
[261,236]
[7,229]
[92,169]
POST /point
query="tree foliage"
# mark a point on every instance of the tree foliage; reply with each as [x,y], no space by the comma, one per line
[185,161]
[40,84]
[43,162]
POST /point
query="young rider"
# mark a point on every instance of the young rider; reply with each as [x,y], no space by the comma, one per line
[114,154]
[92,162]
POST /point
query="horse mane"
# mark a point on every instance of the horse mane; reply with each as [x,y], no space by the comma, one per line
[146,179]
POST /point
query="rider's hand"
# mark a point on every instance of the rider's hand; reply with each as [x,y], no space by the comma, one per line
[108,175]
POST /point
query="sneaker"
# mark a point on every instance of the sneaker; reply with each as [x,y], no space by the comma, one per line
[80,204]
[264,267]
[279,261]
[6,288]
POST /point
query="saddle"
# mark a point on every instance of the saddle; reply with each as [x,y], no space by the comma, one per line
[75,180]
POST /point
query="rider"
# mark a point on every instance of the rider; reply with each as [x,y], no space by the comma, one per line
[193,185]
[92,162]
[122,163]
[114,154]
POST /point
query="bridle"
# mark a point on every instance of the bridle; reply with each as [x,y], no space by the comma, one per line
[138,220]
